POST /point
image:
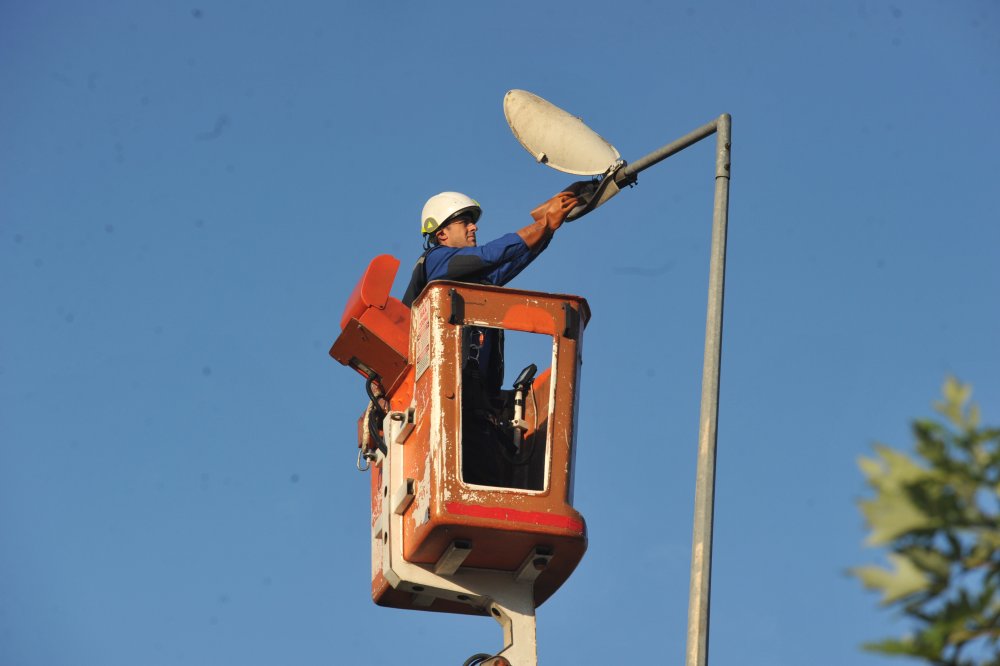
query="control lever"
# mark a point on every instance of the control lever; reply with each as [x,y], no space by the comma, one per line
[521,385]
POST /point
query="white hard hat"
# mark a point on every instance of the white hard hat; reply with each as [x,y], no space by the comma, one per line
[440,208]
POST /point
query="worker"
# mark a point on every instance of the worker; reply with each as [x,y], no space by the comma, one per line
[449,223]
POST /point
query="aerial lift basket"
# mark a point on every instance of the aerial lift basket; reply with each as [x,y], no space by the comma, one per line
[440,543]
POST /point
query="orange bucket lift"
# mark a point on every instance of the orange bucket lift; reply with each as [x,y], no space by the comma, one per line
[500,546]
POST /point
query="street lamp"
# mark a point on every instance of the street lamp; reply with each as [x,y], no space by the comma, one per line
[562,141]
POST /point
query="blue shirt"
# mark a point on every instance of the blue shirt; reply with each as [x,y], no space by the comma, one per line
[496,263]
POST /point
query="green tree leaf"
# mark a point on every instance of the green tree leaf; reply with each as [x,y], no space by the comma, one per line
[904,579]
[935,512]
[893,511]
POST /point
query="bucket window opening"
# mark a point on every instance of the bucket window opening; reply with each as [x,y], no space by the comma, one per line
[505,407]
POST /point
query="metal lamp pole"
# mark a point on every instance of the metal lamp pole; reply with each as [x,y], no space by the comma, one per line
[704,497]
[577,149]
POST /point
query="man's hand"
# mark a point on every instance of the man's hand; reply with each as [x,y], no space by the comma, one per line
[547,218]
[553,212]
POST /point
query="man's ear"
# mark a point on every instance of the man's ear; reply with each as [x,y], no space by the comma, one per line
[441,235]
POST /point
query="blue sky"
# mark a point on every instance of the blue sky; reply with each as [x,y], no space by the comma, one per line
[188,192]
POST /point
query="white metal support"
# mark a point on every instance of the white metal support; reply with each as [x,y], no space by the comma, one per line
[516,614]
[507,596]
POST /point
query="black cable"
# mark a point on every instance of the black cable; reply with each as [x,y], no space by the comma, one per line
[377,413]
[372,380]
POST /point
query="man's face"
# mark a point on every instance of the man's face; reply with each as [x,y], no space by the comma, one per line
[460,232]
